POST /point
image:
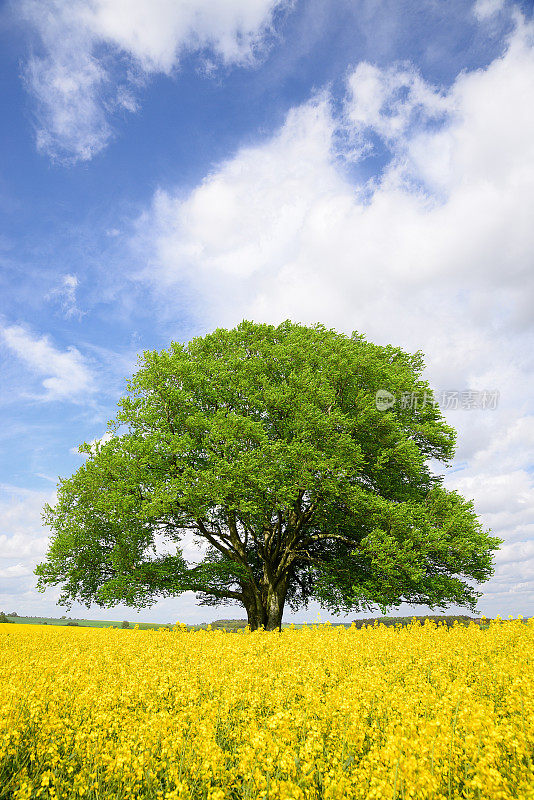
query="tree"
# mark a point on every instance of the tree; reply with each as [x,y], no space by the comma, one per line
[265,445]
[125,624]
[4,618]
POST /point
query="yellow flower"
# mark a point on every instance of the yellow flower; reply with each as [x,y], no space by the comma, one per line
[322,711]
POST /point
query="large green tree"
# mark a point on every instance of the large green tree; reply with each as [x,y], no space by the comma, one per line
[265,444]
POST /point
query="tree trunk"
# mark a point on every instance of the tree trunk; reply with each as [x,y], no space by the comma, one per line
[265,609]
[276,597]
[254,607]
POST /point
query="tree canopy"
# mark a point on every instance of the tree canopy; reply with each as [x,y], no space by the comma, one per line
[265,445]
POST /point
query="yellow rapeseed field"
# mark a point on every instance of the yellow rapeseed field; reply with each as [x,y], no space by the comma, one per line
[322,712]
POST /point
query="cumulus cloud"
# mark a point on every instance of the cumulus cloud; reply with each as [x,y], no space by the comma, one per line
[67,375]
[93,54]
[451,208]
[435,253]
[390,101]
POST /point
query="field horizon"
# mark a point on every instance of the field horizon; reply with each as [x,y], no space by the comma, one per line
[239,623]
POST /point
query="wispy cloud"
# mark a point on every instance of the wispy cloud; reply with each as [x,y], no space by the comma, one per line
[92,56]
[64,293]
[67,374]
[488,8]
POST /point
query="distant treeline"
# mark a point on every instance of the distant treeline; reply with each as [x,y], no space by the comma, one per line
[462,619]
[80,623]
[239,624]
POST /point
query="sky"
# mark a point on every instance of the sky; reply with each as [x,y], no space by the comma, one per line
[171,167]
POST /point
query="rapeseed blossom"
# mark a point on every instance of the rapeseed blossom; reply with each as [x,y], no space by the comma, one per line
[321,712]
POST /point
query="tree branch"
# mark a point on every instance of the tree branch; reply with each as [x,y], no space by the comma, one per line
[230,552]
[223,593]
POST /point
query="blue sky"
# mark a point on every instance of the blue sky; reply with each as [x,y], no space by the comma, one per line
[170,167]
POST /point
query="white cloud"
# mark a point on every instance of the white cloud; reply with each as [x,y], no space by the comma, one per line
[435,254]
[22,535]
[23,540]
[282,228]
[390,101]
[513,448]
[86,44]
[483,9]
[44,477]
[22,543]
[511,553]
[68,376]
[15,571]
[100,440]
[65,293]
